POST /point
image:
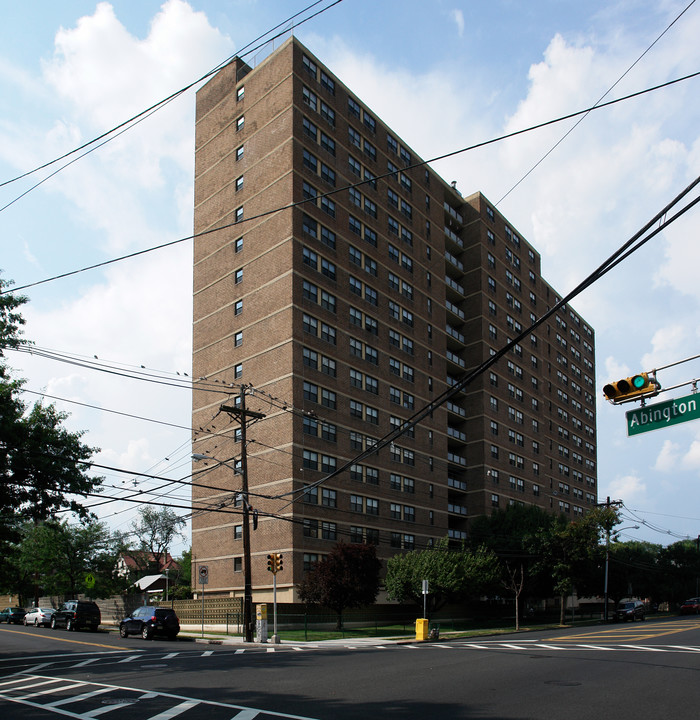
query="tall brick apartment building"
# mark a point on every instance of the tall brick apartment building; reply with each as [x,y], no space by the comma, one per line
[343,315]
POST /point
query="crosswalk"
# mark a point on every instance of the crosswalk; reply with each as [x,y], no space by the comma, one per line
[87,700]
[37,683]
[537,646]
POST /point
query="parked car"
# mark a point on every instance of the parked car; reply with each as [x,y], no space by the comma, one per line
[148,621]
[39,616]
[630,610]
[12,615]
[77,614]
[691,606]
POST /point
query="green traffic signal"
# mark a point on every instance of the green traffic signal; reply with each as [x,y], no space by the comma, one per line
[631,388]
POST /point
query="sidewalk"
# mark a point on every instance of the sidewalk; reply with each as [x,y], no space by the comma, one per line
[215,636]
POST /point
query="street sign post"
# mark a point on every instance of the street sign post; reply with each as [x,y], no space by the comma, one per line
[204,580]
[661,415]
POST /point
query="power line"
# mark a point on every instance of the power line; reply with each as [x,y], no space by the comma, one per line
[612,261]
[139,117]
[600,99]
[299,203]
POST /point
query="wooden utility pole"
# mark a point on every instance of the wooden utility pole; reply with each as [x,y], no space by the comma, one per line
[242,415]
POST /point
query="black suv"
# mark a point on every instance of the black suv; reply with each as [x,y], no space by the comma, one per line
[630,610]
[77,614]
[148,621]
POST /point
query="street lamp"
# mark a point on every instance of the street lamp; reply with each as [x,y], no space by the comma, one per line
[248,580]
[607,564]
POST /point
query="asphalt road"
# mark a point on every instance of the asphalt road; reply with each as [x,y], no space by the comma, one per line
[631,671]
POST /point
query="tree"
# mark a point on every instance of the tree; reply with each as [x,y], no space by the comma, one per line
[568,551]
[157,529]
[60,558]
[509,534]
[514,583]
[348,577]
[679,571]
[634,570]
[182,583]
[451,574]
[42,464]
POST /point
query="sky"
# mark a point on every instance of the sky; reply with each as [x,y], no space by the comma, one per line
[444,75]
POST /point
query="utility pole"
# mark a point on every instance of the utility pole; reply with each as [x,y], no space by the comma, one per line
[239,411]
[607,504]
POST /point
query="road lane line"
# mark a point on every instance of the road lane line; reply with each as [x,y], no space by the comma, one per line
[78,698]
[46,691]
[175,711]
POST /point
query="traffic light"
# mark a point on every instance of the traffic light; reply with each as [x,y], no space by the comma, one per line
[274,562]
[631,388]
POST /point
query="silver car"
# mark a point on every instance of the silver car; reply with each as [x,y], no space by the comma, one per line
[39,616]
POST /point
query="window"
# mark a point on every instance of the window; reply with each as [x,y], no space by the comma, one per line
[310,161]
[327,174]
[239,214]
[353,108]
[310,495]
[310,528]
[328,114]
[354,137]
[238,370]
[329,498]
[239,183]
[239,153]
[328,531]
[328,206]
[310,460]
[238,338]
[327,83]
[310,129]
[309,98]
[240,123]
[238,307]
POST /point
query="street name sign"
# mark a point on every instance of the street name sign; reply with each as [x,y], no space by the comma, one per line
[661,415]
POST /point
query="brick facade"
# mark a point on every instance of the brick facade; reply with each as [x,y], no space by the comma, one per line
[348,313]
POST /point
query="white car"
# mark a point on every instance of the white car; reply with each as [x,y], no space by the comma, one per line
[39,616]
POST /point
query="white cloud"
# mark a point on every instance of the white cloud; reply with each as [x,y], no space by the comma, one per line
[629,488]
[669,344]
[691,460]
[458,17]
[615,370]
[93,71]
[667,459]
